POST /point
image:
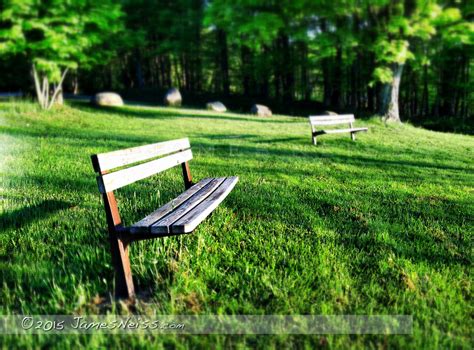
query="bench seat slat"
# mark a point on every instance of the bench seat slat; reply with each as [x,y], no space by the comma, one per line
[112,181]
[335,131]
[115,159]
[164,225]
[167,208]
[184,218]
[192,219]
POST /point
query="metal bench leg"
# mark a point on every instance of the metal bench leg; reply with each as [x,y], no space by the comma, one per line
[313,136]
[123,275]
[353,136]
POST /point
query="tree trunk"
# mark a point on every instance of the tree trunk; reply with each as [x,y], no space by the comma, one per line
[337,79]
[425,97]
[466,91]
[305,84]
[353,91]
[389,99]
[264,74]
[327,90]
[287,68]
[138,69]
[223,61]
[325,67]
[247,68]
[45,98]
[59,97]
[75,85]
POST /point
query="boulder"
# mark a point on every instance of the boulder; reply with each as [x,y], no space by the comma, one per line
[216,106]
[329,113]
[261,110]
[107,99]
[173,98]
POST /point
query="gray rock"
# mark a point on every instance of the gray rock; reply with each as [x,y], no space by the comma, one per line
[173,98]
[216,106]
[261,110]
[107,99]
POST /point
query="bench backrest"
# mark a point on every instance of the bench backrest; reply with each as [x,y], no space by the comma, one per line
[316,120]
[175,152]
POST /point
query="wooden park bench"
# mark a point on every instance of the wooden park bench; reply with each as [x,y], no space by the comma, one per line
[324,120]
[181,215]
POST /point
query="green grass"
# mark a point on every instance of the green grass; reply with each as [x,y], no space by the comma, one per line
[382,225]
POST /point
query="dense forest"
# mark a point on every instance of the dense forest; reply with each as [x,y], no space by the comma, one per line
[403,59]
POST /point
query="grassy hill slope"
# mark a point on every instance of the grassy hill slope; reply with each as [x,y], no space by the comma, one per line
[382,225]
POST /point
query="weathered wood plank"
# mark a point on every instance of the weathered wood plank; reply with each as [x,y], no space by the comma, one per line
[163,225]
[187,177]
[115,159]
[143,226]
[336,131]
[331,117]
[112,181]
[331,120]
[123,274]
[193,218]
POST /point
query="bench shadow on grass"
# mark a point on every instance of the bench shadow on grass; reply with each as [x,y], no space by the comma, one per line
[95,139]
[335,157]
[22,217]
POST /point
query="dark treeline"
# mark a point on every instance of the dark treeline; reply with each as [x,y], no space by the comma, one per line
[346,55]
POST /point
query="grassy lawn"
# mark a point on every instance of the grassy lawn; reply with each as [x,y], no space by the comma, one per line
[382,225]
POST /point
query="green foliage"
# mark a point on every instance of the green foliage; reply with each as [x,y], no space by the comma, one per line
[333,51]
[248,22]
[383,75]
[392,51]
[57,34]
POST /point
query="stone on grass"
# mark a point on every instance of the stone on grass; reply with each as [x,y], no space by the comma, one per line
[261,110]
[173,98]
[111,99]
[216,106]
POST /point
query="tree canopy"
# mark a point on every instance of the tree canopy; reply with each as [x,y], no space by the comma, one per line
[57,35]
[396,57]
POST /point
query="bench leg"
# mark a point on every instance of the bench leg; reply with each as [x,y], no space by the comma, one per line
[123,275]
[315,141]
[353,136]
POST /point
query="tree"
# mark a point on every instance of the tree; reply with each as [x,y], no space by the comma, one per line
[398,24]
[56,36]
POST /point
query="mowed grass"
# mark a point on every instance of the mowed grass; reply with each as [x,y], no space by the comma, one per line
[382,225]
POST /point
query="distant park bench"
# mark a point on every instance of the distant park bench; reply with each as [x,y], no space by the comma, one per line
[325,120]
[181,215]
